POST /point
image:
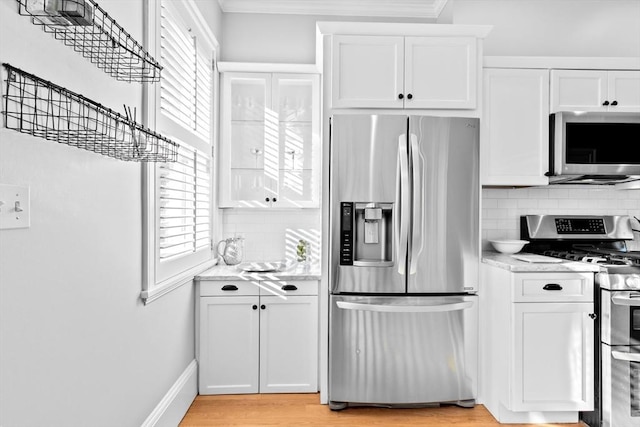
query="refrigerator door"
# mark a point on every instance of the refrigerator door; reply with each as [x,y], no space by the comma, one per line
[402,350]
[369,168]
[443,247]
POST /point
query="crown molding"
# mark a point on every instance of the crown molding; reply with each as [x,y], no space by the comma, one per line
[378,8]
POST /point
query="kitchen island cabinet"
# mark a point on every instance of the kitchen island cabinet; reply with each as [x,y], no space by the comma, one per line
[537,360]
[257,336]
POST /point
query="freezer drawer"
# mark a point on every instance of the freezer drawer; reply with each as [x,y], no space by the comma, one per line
[403,350]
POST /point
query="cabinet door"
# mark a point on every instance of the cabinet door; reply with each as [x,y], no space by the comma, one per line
[289,344]
[578,90]
[624,89]
[249,147]
[552,357]
[514,135]
[229,345]
[296,98]
[440,72]
[367,72]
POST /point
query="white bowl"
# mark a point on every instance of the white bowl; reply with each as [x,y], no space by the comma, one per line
[508,246]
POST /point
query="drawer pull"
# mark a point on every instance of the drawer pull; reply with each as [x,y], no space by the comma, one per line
[289,288]
[552,287]
[229,288]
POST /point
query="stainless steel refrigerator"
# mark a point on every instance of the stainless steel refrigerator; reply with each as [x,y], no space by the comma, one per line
[404,195]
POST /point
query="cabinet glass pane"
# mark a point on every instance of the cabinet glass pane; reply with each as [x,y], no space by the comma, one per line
[247,145]
[252,184]
[298,185]
[248,98]
[296,146]
[295,97]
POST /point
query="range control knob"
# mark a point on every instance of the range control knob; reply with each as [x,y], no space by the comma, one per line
[632,282]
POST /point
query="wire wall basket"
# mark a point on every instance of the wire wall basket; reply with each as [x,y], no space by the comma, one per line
[89,30]
[40,108]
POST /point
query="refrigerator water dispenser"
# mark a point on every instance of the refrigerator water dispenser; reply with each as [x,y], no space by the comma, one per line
[367,234]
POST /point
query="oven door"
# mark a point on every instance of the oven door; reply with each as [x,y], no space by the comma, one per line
[620,386]
[620,317]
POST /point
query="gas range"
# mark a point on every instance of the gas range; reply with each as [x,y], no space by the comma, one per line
[599,240]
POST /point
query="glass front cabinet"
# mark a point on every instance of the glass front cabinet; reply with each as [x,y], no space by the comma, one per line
[270,140]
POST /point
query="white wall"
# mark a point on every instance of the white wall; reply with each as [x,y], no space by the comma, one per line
[555,27]
[250,37]
[522,27]
[502,208]
[77,346]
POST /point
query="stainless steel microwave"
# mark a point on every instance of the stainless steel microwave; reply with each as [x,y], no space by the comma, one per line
[594,148]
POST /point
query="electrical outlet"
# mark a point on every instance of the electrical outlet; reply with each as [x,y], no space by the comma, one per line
[15,211]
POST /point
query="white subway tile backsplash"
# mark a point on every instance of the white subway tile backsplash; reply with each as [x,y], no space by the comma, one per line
[272,235]
[502,208]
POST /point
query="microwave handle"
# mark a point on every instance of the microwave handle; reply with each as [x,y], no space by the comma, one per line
[627,357]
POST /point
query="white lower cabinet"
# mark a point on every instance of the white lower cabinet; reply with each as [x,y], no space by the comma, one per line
[537,357]
[258,337]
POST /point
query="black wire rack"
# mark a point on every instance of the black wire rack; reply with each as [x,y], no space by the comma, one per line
[40,108]
[89,30]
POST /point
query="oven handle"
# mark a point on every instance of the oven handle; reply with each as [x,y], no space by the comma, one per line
[627,357]
[632,299]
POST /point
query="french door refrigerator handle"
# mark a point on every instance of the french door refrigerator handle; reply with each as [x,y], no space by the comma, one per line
[620,355]
[417,233]
[383,308]
[402,203]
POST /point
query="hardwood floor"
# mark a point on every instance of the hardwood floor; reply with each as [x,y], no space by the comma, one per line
[306,410]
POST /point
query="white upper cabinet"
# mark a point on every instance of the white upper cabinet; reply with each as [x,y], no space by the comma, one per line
[595,90]
[270,140]
[371,71]
[440,72]
[368,71]
[514,133]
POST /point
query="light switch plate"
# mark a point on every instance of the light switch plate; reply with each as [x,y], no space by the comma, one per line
[15,211]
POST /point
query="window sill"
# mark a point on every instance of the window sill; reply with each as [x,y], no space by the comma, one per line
[163,288]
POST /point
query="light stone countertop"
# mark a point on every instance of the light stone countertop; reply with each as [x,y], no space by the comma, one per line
[506,262]
[232,272]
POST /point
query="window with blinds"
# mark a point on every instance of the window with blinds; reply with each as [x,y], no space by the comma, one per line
[183,189]
[185,87]
[184,196]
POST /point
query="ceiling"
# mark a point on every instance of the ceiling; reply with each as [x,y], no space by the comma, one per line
[379,8]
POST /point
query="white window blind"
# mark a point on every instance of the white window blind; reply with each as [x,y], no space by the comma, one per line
[185,87]
[185,188]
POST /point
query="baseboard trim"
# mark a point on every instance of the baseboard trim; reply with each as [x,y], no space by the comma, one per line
[175,403]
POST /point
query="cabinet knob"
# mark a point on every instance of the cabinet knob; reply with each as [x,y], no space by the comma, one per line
[229,288]
[614,103]
[263,306]
[605,103]
[266,199]
[289,288]
[409,96]
[552,287]
[255,307]
[593,316]
[275,200]
[400,96]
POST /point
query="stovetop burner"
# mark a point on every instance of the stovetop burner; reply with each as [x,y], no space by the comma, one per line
[594,256]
